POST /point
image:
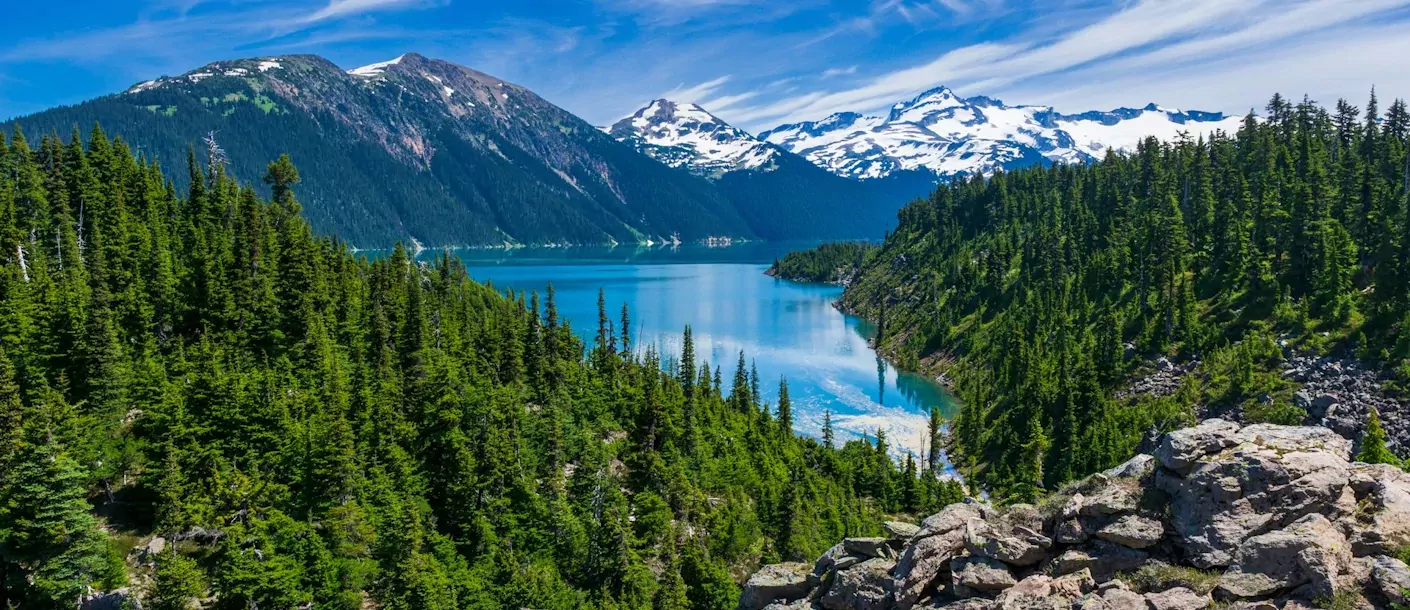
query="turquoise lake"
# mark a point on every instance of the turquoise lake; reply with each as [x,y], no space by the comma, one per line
[790,330]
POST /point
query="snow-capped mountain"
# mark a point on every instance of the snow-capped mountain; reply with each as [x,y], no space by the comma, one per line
[685,135]
[949,135]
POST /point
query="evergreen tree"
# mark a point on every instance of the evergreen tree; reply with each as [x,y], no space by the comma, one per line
[176,583]
[785,409]
[1373,443]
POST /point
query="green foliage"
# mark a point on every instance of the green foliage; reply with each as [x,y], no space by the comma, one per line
[834,262]
[176,583]
[1373,443]
[331,429]
[1044,289]
[1161,576]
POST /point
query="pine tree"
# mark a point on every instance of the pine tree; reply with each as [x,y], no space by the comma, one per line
[176,583]
[936,442]
[1373,443]
[49,531]
[785,409]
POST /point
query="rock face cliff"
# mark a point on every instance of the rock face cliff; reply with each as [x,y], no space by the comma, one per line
[1260,516]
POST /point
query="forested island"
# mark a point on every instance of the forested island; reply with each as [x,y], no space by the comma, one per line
[202,400]
[829,263]
[1043,292]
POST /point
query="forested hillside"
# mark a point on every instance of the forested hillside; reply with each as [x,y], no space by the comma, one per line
[831,263]
[1042,290]
[416,149]
[307,429]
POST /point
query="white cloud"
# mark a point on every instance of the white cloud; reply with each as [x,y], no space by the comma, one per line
[725,102]
[1145,41]
[831,72]
[1237,83]
[695,93]
[345,8]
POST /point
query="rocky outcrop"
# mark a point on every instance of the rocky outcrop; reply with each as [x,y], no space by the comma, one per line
[783,582]
[1253,517]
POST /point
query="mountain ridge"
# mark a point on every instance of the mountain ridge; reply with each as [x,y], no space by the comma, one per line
[413,148]
[950,135]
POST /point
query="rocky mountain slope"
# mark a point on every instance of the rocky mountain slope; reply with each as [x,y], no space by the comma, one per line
[1218,515]
[780,195]
[942,133]
[685,135]
[413,148]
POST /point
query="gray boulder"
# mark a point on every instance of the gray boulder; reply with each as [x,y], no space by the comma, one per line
[1104,559]
[1071,531]
[1042,592]
[900,530]
[801,604]
[1178,598]
[1381,525]
[846,562]
[921,564]
[973,603]
[829,558]
[1311,551]
[1250,490]
[1123,599]
[117,599]
[1019,546]
[979,573]
[1134,468]
[867,547]
[1392,577]
[864,587]
[953,517]
[1112,497]
[1179,450]
[780,581]
[1296,438]
[1132,531]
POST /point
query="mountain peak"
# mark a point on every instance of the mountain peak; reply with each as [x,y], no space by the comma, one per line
[948,135]
[682,134]
[249,67]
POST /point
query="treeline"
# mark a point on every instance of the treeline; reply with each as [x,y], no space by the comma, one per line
[310,429]
[1047,287]
[834,263]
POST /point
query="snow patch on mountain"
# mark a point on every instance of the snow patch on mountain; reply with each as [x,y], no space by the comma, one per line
[949,135]
[685,135]
[375,69]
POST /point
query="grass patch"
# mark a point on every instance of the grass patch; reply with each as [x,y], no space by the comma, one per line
[1402,553]
[1346,599]
[265,104]
[1160,577]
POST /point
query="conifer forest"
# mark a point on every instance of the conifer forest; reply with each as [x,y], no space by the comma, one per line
[309,428]
[1042,292]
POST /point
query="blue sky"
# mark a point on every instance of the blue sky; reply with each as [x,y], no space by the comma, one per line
[754,63]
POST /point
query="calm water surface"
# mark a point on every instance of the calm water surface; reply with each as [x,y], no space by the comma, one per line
[789,329]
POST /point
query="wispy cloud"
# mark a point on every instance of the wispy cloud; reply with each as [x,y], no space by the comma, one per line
[1145,35]
[346,8]
[831,72]
[695,93]
[727,102]
[176,31]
